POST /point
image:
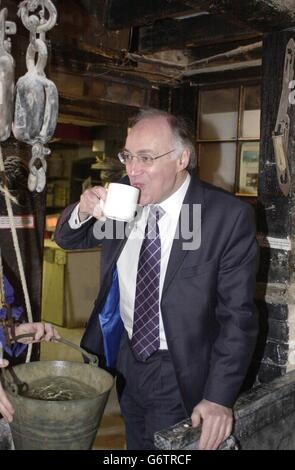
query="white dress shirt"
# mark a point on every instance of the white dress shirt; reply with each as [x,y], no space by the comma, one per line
[128,260]
[74,221]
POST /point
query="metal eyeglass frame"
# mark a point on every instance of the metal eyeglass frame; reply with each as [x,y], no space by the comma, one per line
[145,159]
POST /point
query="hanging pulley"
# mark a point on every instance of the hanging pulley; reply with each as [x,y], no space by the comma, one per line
[36,104]
[6,76]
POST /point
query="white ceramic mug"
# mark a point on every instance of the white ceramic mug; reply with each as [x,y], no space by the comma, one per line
[121,202]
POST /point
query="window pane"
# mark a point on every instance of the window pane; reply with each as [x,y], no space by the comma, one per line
[249,163]
[218,164]
[219,114]
[250,123]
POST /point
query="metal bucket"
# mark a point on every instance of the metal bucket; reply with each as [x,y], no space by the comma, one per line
[57,425]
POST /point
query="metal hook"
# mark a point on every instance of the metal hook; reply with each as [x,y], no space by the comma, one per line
[43,25]
[38,167]
[6,28]
[37,47]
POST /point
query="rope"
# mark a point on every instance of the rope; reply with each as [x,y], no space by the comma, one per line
[2,293]
[6,193]
[18,254]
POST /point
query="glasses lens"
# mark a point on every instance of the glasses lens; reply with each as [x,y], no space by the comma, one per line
[126,157]
[147,160]
[123,157]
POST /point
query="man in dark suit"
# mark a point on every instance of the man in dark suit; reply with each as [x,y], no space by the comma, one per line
[182,337]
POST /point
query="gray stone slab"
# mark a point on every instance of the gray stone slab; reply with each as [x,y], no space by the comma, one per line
[264,419]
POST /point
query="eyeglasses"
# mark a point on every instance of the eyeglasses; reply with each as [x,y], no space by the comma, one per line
[126,157]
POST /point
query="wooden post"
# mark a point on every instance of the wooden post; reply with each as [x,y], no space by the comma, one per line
[275,288]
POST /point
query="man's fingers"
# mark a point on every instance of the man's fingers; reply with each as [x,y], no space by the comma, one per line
[90,198]
[221,436]
[206,435]
[216,436]
[98,213]
[217,421]
[196,418]
[100,192]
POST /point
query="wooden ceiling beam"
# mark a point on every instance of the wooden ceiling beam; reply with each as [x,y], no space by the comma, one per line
[121,14]
[191,32]
[222,67]
[107,113]
[263,15]
[204,51]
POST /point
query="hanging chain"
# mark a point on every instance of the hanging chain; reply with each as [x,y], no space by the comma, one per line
[6,101]
[37,25]
[38,167]
[6,28]
[6,76]
[38,16]
[34,17]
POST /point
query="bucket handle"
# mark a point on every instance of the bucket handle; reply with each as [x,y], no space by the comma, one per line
[93,360]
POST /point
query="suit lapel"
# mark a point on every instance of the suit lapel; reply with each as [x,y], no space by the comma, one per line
[193,196]
[115,248]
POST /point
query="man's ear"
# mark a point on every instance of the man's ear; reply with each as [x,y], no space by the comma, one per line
[184,159]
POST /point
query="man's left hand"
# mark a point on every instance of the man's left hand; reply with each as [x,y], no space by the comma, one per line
[217,422]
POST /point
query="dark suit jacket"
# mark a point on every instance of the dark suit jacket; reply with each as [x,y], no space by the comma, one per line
[207,300]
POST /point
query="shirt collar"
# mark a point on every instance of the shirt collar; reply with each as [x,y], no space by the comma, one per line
[172,205]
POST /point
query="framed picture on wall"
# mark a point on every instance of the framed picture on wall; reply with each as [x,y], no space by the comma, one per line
[248,169]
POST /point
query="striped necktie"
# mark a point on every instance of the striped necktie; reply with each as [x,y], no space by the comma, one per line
[145,336]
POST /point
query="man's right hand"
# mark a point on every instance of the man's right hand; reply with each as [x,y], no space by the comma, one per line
[6,408]
[89,203]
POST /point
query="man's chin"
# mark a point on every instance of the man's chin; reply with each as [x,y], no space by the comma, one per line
[144,201]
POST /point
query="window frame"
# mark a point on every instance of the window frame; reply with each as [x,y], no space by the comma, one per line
[239,139]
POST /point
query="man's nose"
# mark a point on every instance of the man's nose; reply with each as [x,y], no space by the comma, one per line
[134,167]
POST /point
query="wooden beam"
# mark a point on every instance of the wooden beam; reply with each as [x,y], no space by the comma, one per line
[126,13]
[191,32]
[249,75]
[239,51]
[259,14]
[79,25]
[204,51]
[223,67]
[104,113]
[245,51]
[263,15]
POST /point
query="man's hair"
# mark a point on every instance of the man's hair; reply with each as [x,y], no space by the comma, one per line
[180,128]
